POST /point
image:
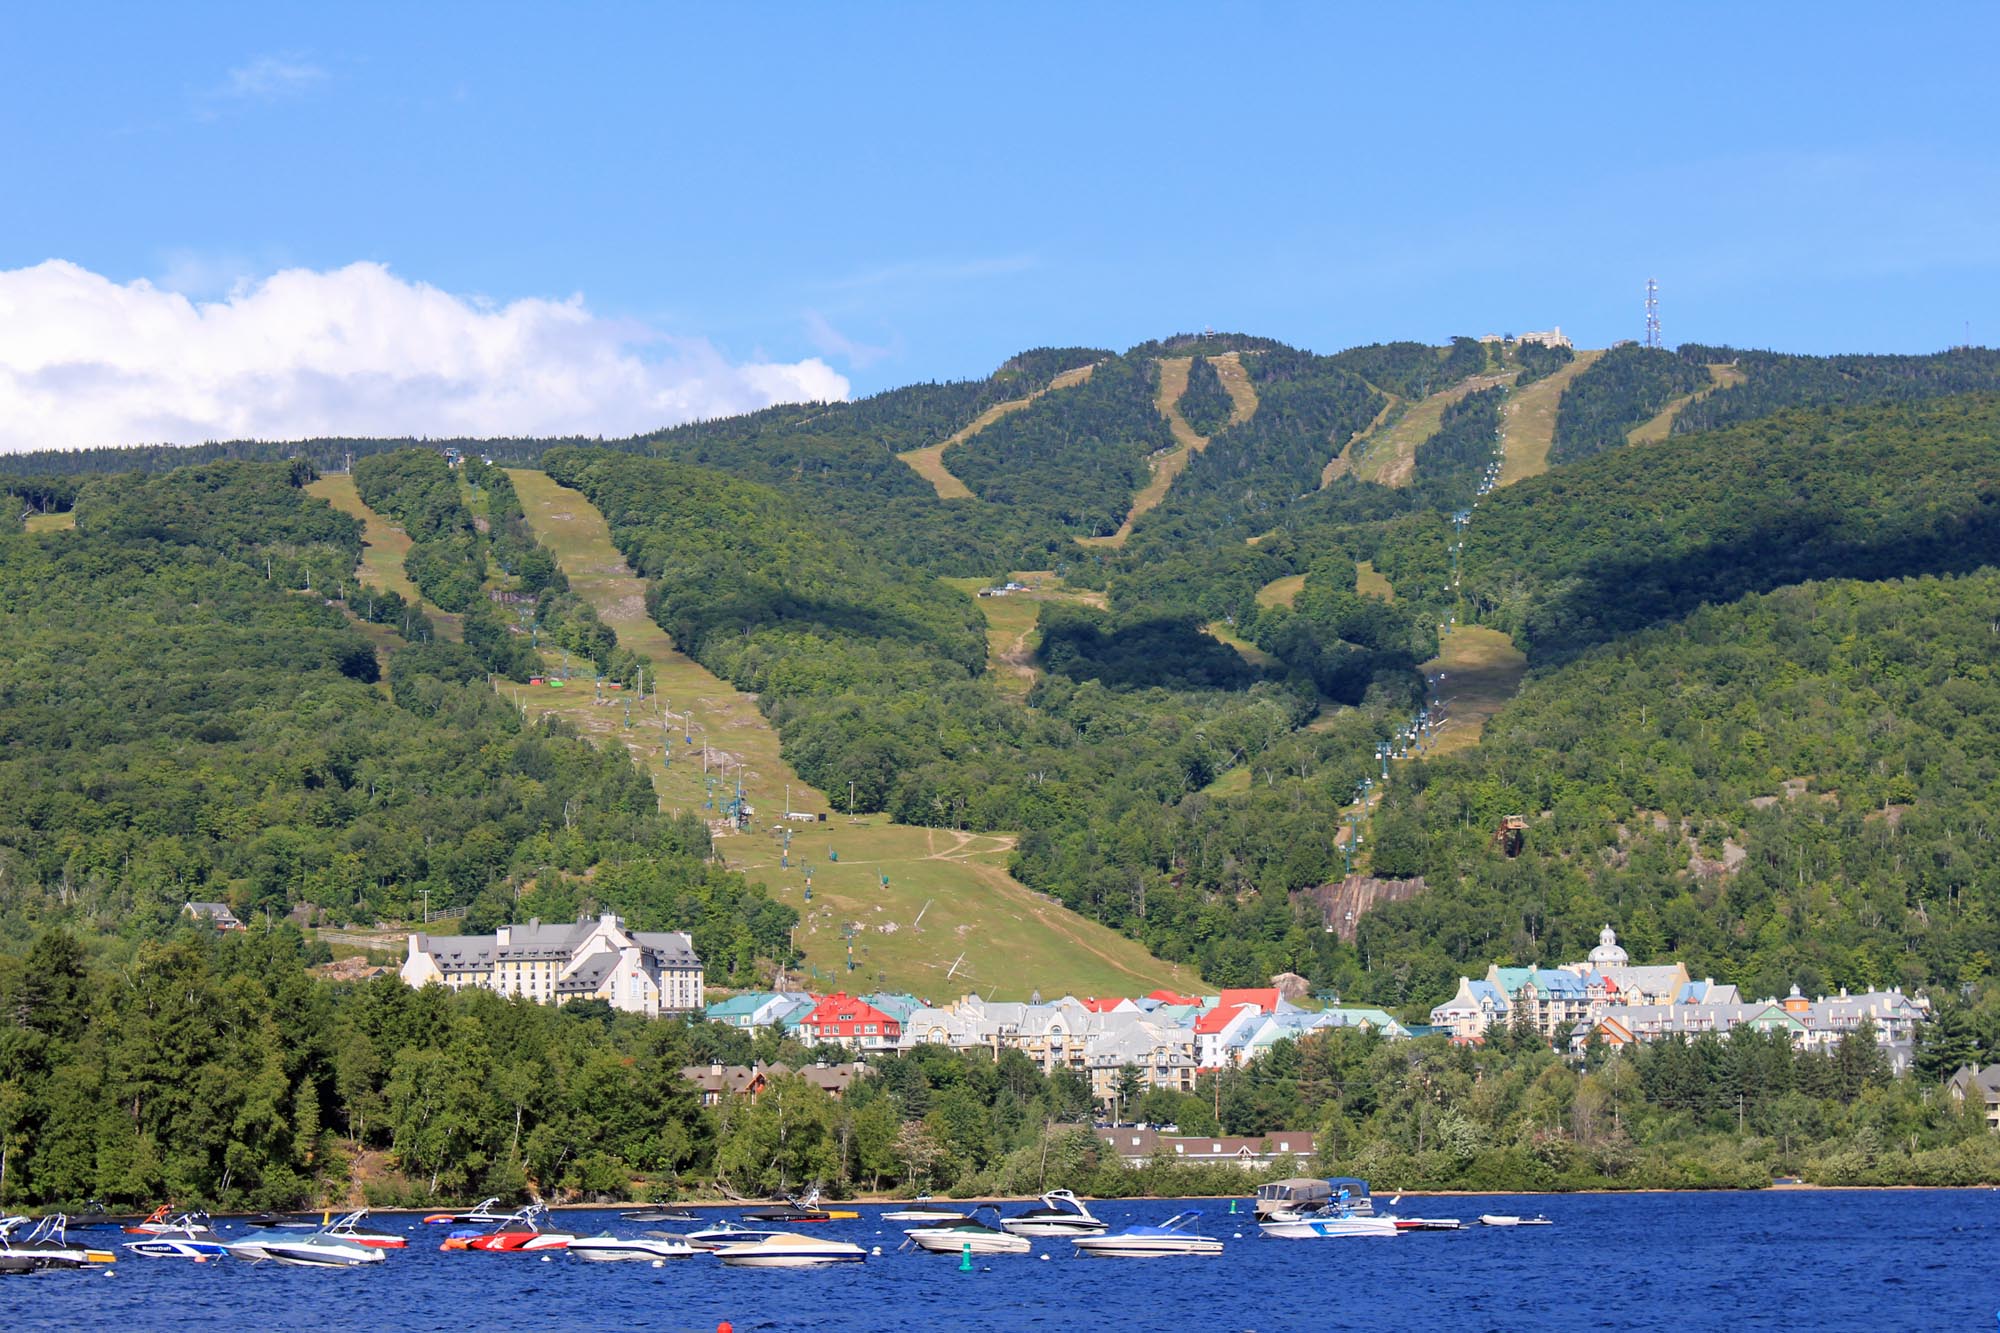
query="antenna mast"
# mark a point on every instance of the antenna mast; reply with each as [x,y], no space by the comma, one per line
[1653,314]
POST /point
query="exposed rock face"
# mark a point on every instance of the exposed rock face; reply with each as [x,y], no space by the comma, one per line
[1342,904]
[1291,986]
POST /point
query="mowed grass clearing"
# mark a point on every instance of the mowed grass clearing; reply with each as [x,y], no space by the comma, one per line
[62,521]
[1477,670]
[1281,591]
[1720,376]
[1390,455]
[928,462]
[383,546]
[1012,940]
[1528,421]
[1370,583]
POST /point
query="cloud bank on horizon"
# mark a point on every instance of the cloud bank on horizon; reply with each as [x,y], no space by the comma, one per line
[86,361]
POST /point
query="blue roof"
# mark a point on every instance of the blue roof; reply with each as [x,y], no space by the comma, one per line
[749,1002]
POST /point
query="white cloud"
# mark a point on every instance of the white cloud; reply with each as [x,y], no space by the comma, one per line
[351,351]
[270,76]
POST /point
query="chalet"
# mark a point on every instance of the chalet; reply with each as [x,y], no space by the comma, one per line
[846,1020]
[215,914]
[716,1081]
[1980,1086]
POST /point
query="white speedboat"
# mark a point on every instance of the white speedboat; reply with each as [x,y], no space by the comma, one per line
[610,1248]
[1061,1214]
[189,1245]
[1173,1236]
[726,1233]
[1510,1220]
[975,1236]
[315,1249]
[350,1228]
[1325,1224]
[787,1250]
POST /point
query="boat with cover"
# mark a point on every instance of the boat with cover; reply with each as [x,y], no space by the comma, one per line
[1173,1236]
[786,1250]
[608,1247]
[1061,1214]
[479,1212]
[726,1233]
[658,1215]
[969,1234]
[1303,1194]
[315,1249]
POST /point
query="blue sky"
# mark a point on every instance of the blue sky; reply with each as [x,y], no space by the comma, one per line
[904,193]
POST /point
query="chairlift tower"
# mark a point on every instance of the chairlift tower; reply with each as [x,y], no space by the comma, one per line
[1653,314]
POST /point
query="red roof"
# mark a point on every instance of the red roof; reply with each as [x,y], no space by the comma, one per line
[842,1015]
[1264,997]
[1220,1017]
[1102,1005]
[1168,997]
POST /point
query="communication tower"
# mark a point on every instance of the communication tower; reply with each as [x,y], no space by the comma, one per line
[1653,314]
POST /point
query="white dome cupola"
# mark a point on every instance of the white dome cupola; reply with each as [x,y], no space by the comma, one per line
[1607,953]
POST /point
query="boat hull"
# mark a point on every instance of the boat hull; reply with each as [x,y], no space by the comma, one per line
[1053,1229]
[160,1247]
[610,1249]
[1329,1228]
[943,1240]
[1148,1247]
[812,1259]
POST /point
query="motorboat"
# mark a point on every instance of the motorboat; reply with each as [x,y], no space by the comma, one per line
[796,1210]
[94,1214]
[609,1247]
[317,1249]
[1510,1220]
[1176,1235]
[480,1212]
[351,1228]
[197,1243]
[726,1233]
[163,1220]
[786,1250]
[1301,1195]
[49,1241]
[658,1215]
[521,1232]
[1427,1223]
[923,1210]
[1332,1223]
[1061,1214]
[969,1235]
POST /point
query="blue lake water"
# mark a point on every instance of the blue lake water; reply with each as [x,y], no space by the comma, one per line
[1820,1262]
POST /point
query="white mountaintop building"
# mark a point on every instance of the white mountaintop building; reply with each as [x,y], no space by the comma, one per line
[640,972]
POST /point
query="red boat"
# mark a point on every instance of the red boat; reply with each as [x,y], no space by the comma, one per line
[350,1228]
[521,1232]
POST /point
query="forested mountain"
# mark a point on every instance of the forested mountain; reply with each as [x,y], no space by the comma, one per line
[1799,787]
[1075,457]
[1639,536]
[1205,405]
[1626,388]
[180,719]
[1774,381]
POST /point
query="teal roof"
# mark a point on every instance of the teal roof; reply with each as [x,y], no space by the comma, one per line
[739,1006]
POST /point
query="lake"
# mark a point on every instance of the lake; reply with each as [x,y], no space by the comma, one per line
[1782,1260]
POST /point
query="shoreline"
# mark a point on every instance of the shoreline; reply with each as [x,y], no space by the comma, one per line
[871,1201]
